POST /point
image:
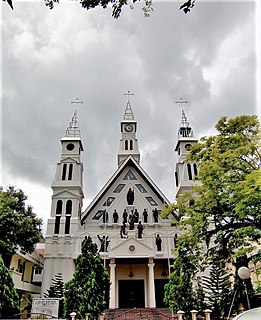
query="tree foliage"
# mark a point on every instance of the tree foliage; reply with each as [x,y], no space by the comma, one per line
[117,5]
[56,290]
[88,291]
[223,213]
[9,302]
[19,226]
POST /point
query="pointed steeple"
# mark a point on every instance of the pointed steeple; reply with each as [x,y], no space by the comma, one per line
[128,114]
[184,129]
[73,127]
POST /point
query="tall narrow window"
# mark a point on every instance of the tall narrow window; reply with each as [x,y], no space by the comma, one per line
[176,178]
[189,171]
[58,214]
[64,171]
[195,169]
[131,145]
[126,144]
[68,214]
[70,171]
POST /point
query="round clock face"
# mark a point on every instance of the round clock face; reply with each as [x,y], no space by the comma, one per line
[128,127]
[70,146]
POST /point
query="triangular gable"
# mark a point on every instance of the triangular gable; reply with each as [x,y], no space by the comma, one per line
[66,193]
[131,247]
[129,161]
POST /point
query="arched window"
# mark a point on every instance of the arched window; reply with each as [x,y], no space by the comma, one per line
[70,171]
[195,169]
[126,144]
[176,178]
[64,171]
[131,144]
[58,214]
[68,214]
[189,171]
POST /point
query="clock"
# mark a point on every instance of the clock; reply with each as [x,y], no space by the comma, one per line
[128,127]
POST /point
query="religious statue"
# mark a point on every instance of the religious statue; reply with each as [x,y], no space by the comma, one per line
[175,240]
[125,216]
[115,216]
[155,215]
[104,243]
[140,229]
[123,230]
[131,220]
[105,216]
[136,216]
[158,242]
[130,196]
[145,216]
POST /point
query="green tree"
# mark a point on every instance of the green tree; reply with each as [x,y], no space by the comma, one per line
[9,302]
[217,289]
[56,290]
[19,226]
[88,290]
[224,212]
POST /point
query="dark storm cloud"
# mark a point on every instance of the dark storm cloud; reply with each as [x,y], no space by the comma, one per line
[52,57]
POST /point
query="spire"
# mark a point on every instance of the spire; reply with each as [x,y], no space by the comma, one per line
[185,130]
[128,114]
[73,127]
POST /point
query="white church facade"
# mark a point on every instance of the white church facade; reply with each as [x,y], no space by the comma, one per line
[135,243]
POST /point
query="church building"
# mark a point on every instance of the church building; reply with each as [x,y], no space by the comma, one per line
[123,219]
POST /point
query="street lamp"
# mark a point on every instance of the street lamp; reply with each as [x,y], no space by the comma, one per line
[244,274]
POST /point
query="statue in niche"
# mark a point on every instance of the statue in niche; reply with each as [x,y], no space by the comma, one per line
[140,229]
[115,216]
[104,243]
[125,216]
[158,242]
[145,216]
[175,240]
[155,215]
[123,233]
[130,197]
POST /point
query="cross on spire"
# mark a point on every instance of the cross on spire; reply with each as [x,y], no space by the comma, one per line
[73,127]
[77,101]
[128,114]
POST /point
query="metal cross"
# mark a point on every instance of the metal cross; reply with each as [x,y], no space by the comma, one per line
[181,101]
[77,101]
[129,94]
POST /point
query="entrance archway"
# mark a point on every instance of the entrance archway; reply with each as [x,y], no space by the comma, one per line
[131,294]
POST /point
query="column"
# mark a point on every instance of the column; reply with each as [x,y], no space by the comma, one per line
[112,304]
[152,302]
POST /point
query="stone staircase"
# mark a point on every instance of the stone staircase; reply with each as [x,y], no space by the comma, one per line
[139,314]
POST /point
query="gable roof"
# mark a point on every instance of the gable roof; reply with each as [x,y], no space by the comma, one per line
[130,161]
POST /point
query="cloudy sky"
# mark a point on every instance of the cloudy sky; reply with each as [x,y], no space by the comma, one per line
[210,57]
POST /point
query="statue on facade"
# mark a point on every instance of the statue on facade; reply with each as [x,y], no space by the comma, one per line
[123,233]
[145,216]
[140,229]
[104,243]
[130,196]
[105,216]
[115,216]
[155,215]
[175,240]
[125,216]
[158,242]
[136,216]
[131,220]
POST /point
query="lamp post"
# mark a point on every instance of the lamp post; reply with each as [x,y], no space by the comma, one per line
[244,274]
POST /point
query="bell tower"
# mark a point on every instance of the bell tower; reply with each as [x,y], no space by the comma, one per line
[128,142]
[185,171]
[64,221]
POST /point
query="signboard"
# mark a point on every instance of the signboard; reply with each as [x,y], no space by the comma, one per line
[47,307]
